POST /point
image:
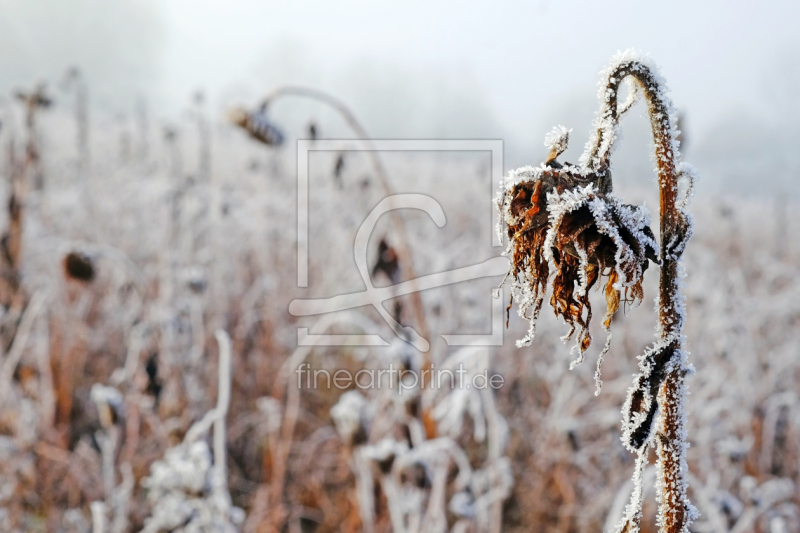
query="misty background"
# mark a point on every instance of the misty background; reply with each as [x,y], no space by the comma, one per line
[507,70]
[148,259]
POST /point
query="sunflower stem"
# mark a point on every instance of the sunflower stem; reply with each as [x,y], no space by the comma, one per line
[675,511]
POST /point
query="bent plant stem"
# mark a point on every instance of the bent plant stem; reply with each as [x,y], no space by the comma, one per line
[674,507]
[12,294]
[396,220]
[13,242]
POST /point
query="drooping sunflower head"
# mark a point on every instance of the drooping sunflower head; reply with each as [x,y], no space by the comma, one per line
[79,266]
[257,124]
[565,219]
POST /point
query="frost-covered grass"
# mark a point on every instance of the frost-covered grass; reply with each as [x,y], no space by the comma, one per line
[177,259]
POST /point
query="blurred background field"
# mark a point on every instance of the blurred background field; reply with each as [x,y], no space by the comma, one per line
[149,222]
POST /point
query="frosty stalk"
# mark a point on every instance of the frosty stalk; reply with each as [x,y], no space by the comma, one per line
[260,128]
[567,216]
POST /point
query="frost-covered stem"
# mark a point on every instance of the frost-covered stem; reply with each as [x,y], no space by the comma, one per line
[220,485]
[135,337]
[198,333]
[75,79]
[434,514]
[633,512]
[204,135]
[19,342]
[397,222]
[495,452]
[121,499]
[107,439]
[47,397]
[674,506]
[223,396]
[365,491]
[15,206]
[82,118]
[393,497]
[98,517]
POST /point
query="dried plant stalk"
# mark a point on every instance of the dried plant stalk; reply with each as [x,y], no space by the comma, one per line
[667,368]
[259,127]
[567,216]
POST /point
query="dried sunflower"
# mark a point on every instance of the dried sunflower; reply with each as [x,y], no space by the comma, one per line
[258,125]
[567,217]
[79,266]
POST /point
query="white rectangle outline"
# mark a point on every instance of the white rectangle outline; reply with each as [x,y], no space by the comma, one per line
[304,146]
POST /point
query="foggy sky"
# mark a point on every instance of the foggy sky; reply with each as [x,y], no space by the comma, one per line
[521,55]
[427,69]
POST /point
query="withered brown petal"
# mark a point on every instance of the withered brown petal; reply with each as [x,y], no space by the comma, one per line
[589,241]
[574,223]
[519,204]
[612,299]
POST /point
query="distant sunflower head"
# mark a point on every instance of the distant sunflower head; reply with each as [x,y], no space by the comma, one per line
[79,266]
[564,219]
[258,125]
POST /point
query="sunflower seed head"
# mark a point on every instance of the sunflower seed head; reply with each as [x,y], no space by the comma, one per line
[565,220]
[257,125]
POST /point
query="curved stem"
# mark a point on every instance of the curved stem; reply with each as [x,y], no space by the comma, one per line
[675,511]
[396,220]
[349,117]
[74,79]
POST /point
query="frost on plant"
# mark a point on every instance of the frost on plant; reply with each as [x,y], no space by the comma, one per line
[350,416]
[564,219]
[187,488]
[420,465]
[557,141]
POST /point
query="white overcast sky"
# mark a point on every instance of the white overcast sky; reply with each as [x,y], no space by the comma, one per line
[520,55]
